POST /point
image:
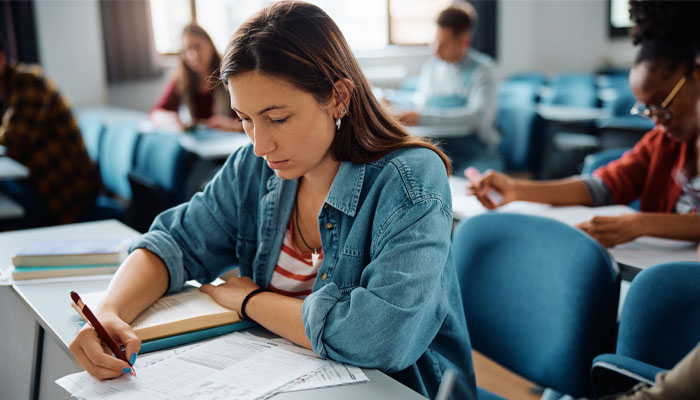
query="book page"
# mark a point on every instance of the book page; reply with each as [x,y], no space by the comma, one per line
[232,366]
[190,303]
[176,309]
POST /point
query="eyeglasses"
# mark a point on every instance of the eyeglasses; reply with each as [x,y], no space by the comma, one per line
[661,111]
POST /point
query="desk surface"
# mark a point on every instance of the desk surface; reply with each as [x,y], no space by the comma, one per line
[14,241]
[212,144]
[11,169]
[10,208]
[631,257]
[437,131]
[568,114]
[50,304]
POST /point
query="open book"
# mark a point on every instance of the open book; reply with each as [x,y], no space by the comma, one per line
[187,311]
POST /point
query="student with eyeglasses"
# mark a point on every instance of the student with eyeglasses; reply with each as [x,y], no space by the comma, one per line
[674,24]
[661,169]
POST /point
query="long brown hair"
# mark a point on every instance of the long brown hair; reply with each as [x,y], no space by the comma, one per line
[187,80]
[299,42]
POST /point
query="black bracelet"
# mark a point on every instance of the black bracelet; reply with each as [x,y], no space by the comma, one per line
[248,297]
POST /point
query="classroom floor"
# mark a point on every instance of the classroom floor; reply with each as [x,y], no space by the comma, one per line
[499,380]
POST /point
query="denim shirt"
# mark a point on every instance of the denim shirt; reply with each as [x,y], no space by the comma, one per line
[386,295]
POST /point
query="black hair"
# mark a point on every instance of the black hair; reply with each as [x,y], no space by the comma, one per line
[3,43]
[455,19]
[667,31]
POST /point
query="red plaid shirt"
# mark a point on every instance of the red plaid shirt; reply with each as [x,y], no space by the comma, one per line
[40,132]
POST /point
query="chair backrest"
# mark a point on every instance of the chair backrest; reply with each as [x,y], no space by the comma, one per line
[117,150]
[597,160]
[622,104]
[519,124]
[92,128]
[531,77]
[540,297]
[660,319]
[160,158]
[158,177]
[575,90]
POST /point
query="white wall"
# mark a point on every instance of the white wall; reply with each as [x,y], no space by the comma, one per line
[552,36]
[71,48]
[556,36]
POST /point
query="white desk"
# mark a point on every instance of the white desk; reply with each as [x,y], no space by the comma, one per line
[11,169]
[568,114]
[212,144]
[437,131]
[632,257]
[38,359]
[10,208]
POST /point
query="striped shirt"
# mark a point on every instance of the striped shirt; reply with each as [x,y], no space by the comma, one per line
[294,273]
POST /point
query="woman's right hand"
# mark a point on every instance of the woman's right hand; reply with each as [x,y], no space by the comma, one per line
[492,180]
[96,357]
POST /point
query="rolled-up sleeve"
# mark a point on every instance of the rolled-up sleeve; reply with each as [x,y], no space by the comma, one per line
[196,240]
[390,319]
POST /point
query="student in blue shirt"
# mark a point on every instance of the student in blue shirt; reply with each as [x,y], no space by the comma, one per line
[458,87]
[329,166]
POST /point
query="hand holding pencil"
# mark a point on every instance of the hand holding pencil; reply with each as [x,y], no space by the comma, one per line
[94,345]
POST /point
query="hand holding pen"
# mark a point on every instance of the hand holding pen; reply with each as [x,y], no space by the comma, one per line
[93,347]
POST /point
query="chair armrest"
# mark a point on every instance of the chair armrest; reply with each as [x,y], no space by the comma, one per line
[613,373]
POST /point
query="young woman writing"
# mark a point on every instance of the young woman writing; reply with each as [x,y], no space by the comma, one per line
[338,219]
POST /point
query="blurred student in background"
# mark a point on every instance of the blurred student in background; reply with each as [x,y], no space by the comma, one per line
[197,87]
[459,88]
[39,131]
[662,167]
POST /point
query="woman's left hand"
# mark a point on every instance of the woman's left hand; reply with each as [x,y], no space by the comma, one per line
[611,231]
[231,293]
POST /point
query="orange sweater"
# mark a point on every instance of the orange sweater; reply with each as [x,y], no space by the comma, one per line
[647,171]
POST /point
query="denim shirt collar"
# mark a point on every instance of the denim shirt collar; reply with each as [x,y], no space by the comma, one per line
[347,187]
[345,191]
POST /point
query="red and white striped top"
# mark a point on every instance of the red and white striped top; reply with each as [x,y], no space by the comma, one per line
[294,273]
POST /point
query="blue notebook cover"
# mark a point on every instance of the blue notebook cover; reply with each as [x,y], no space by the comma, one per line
[191,337]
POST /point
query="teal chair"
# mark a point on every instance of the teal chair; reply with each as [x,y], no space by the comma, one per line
[596,160]
[540,297]
[115,158]
[157,179]
[519,124]
[92,128]
[659,325]
[599,159]
[117,151]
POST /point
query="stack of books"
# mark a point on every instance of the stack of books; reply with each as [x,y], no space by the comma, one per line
[65,258]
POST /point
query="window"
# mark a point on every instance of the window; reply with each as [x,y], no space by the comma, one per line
[413,21]
[366,24]
[620,21]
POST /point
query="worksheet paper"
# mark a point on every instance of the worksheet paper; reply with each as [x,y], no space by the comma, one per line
[333,374]
[234,366]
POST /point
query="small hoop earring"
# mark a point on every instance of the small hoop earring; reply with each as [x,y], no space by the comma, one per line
[338,121]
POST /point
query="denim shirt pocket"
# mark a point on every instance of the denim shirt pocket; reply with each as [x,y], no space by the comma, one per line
[351,264]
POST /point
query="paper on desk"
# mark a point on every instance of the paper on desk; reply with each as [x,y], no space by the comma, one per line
[233,366]
[333,374]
